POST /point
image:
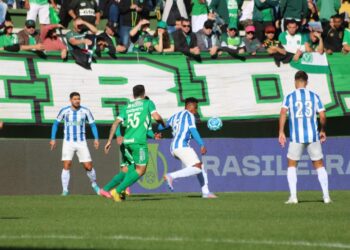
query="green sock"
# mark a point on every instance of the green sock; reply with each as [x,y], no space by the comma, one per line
[131,177]
[116,180]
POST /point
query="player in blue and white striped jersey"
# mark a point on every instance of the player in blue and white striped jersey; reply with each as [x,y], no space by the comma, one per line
[184,128]
[75,116]
[303,106]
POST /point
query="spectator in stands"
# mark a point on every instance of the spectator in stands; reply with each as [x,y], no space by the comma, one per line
[162,41]
[315,42]
[8,39]
[140,37]
[38,8]
[327,9]
[51,41]
[346,41]
[293,10]
[174,10]
[199,14]
[131,12]
[185,40]
[333,35]
[231,41]
[207,39]
[263,16]
[109,41]
[273,46]
[312,14]
[252,44]
[86,10]
[226,10]
[3,11]
[345,8]
[29,38]
[246,18]
[292,41]
[178,25]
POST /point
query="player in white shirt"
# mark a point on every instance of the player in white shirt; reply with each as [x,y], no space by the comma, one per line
[75,117]
[184,128]
[303,106]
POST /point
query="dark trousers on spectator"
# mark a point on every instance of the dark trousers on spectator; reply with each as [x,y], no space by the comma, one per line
[260,29]
[124,35]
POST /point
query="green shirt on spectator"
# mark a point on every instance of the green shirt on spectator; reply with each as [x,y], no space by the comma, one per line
[76,35]
[346,39]
[8,40]
[199,8]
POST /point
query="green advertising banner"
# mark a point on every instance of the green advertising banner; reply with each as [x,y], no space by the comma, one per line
[33,90]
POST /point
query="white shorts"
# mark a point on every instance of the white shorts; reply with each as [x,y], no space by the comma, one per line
[198,22]
[187,155]
[39,10]
[314,149]
[69,148]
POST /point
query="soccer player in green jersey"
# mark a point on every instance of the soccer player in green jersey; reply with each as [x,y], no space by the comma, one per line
[136,117]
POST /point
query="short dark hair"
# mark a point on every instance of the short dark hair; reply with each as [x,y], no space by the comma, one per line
[292,21]
[337,16]
[146,98]
[185,20]
[138,90]
[301,76]
[74,94]
[190,100]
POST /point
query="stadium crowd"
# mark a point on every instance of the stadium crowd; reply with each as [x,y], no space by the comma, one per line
[285,29]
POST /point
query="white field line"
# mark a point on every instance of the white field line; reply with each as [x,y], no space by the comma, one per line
[334,245]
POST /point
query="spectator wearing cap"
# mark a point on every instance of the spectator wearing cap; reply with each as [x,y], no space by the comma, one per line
[252,44]
[51,41]
[140,37]
[8,38]
[86,10]
[162,41]
[315,42]
[231,40]
[29,38]
[199,14]
[263,16]
[108,41]
[207,40]
[293,41]
[346,41]
[333,35]
[40,9]
[327,9]
[273,46]
[226,10]
[293,10]
[131,12]
[185,40]
[174,10]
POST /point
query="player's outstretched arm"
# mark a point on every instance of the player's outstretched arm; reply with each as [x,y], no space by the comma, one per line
[158,119]
[95,134]
[282,122]
[323,121]
[111,134]
[198,139]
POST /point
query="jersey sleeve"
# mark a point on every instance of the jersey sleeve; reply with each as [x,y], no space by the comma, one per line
[191,121]
[319,105]
[152,107]
[90,117]
[122,115]
[285,103]
[61,115]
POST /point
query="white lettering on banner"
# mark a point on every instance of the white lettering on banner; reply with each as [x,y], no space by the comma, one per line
[14,110]
[270,165]
[231,92]
[86,82]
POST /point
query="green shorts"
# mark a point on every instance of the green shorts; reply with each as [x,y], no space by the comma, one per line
[139,153]
[126,157]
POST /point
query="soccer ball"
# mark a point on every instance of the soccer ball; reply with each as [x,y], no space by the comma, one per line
[214,123]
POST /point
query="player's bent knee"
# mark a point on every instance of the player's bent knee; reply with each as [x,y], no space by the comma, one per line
[87,166]
[141,170]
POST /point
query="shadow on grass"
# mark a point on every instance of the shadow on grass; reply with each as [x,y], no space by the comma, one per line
[310,201]
[11,218]
[51,248]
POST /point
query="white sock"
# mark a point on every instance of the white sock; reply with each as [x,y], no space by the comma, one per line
[203,180]
[92,176]
[323,179]
[185,172]
[292,181]
[65,176]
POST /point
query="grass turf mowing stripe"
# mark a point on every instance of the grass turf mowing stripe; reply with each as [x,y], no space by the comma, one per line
[333,245]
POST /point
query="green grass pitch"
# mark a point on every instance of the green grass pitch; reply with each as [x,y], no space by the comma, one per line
[175,222]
